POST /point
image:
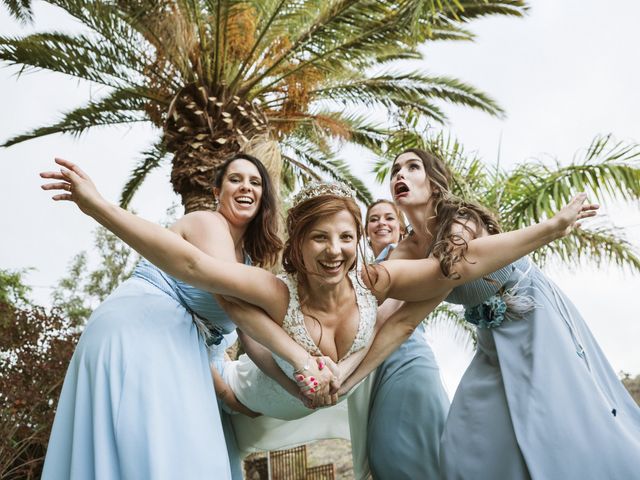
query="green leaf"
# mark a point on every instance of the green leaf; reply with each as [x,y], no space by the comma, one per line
[151,160]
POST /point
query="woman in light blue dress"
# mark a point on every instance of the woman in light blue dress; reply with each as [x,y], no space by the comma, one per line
[543,400]
[410,413]
[539,399]
[138,399]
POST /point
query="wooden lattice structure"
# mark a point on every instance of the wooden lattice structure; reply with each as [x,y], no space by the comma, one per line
[321,472]
[288,464]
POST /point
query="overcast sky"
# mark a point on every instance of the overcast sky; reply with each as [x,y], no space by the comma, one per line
[565,73]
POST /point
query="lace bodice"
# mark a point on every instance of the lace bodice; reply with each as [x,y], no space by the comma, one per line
[294,324]
[261,393]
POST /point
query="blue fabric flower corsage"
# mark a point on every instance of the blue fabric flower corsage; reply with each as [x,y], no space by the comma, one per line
[488,314]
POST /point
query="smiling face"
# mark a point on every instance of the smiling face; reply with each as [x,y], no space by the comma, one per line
[240,192]
[410,185]
[330,246]
[383,226]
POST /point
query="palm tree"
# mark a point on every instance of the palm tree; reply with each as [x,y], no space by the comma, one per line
[533,190]
[215,74]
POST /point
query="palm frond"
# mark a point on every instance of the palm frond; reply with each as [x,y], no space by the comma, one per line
[451,317]
[471,10]
[265,28]
[151,160]
[78,56]
[121,107]
[323,164]
[324,126]
[393,90]
[536,192]
[600,246]
[21,10]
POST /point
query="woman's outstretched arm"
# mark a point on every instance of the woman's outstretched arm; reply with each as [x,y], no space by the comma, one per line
[393,332]
[168,250]
[418,280]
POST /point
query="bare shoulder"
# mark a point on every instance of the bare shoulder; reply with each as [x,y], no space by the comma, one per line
[209,231]
[467,228]
[198,221]
[407,249]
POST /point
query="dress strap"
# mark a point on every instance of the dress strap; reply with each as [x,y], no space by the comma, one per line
[367,311]
[293,322]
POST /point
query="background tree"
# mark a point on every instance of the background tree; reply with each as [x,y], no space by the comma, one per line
[633,385]
[13,290]
[35,348]
[216,73]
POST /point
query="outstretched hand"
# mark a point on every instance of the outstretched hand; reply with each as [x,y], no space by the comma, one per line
[73,185]
[568,218]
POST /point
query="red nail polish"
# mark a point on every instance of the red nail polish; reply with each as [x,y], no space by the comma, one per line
[312,379]
[313,390]
[315,384]
[300,377]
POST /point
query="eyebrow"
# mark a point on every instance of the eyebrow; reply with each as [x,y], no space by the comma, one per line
[406,162]
[317,230]
[252,177]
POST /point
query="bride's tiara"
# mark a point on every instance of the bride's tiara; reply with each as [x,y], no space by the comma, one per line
[318,189]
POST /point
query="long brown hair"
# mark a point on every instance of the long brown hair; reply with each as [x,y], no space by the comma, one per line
[449,247]
[261,240]
[302,216]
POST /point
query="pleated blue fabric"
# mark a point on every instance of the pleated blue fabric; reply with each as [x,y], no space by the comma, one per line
[407,411]
[540,399]
[138,400]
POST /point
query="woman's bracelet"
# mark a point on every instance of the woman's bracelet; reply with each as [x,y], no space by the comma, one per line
[305,368]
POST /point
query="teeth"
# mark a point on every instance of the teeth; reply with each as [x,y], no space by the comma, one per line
[247,200]
[331,264]
[384,230]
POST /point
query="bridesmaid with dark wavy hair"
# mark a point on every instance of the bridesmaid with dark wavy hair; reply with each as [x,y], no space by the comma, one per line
[137,398]
[539,399]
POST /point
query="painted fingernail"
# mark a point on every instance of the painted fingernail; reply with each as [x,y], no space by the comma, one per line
[313,390]
[312,379]
[300,377]
[315,384]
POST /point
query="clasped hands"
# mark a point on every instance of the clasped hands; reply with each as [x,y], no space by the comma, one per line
[319,382]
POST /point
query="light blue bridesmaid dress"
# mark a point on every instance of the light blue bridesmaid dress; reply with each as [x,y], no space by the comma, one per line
[539,399]
[138,401]
[217,359]
[407,411]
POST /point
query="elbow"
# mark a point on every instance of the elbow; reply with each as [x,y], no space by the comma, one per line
[406,326]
